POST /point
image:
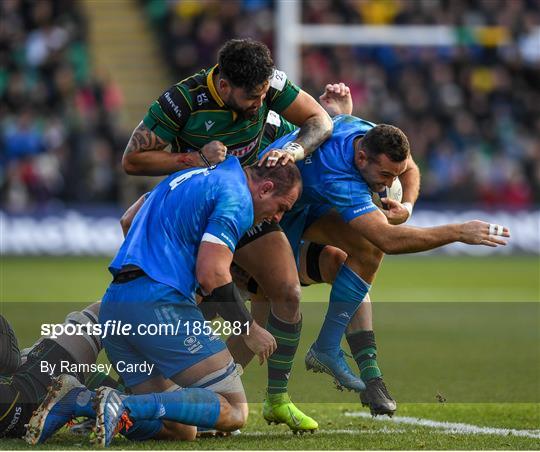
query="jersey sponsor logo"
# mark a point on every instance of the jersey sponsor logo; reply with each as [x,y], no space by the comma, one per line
[208,124]
[175,107]
[227,239]
[362,209]
[202,99]
[278,80]
[295,420]
[240,152]
[192,344]
[14,420]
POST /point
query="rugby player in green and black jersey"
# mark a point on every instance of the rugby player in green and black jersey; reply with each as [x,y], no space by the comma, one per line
[223,109]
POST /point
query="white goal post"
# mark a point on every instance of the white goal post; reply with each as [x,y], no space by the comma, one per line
[290,34]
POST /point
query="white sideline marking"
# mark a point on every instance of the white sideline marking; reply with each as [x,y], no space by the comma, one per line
[328,431]
[452,427]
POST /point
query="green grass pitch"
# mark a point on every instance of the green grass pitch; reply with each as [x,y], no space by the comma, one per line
[463,330]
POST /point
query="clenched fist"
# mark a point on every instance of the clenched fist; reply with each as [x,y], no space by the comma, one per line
[214,152]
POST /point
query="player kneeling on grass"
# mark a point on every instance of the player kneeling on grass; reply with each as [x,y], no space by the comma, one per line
[182,239]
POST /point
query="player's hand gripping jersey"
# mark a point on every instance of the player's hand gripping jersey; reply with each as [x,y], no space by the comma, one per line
[190,114]
[165,236]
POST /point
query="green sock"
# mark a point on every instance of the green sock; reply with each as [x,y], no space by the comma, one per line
[280,363]
[364,351]
[98,379]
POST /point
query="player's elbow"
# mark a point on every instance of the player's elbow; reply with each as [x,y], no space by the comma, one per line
[390,247]
[125,222]
[129,166]
[210,278]
[386,245]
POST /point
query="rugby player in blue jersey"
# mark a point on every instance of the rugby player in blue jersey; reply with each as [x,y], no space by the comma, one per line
[320,263]
[336,208]
[183,238]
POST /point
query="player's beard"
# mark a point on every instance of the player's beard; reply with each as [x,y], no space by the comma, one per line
[242,114]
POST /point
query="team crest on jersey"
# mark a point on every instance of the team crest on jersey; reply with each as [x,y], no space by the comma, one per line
[240,152]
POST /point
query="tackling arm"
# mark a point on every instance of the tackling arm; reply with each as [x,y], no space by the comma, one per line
[146,155]
[405,239]
[315,124]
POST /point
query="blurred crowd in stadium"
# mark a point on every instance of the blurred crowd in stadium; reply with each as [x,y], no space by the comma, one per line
[472,112]
[58,130]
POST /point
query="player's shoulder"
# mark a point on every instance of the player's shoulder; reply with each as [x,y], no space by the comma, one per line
[281,90]
[230,172]
[195,90]
[352,122]
[230,182]
[278,80]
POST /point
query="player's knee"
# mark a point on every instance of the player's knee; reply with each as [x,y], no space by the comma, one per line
[231,417]
[369,257]
[331,260]
[286,305]
[290,294]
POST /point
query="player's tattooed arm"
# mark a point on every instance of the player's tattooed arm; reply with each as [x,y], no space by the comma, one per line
[313,133]
[315,124]
[146,154]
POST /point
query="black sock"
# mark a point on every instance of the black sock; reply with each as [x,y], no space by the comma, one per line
[364,351]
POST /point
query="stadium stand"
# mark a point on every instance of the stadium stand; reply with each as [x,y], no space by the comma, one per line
[58,127]
[471,112]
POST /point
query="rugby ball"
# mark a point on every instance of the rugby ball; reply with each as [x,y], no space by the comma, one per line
[395,192]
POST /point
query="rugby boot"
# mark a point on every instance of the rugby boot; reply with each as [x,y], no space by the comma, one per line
[278,409]
[336,366]
[111,415]
[377,398]
[10,356]
[57,409]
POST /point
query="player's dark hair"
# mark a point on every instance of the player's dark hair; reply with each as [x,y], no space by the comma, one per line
[388,140]
[245,63]
[284,177]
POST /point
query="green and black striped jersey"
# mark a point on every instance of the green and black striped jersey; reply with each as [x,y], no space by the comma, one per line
[191,114]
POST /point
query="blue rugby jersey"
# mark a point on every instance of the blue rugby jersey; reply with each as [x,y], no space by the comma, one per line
[166,233]
[329,175]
